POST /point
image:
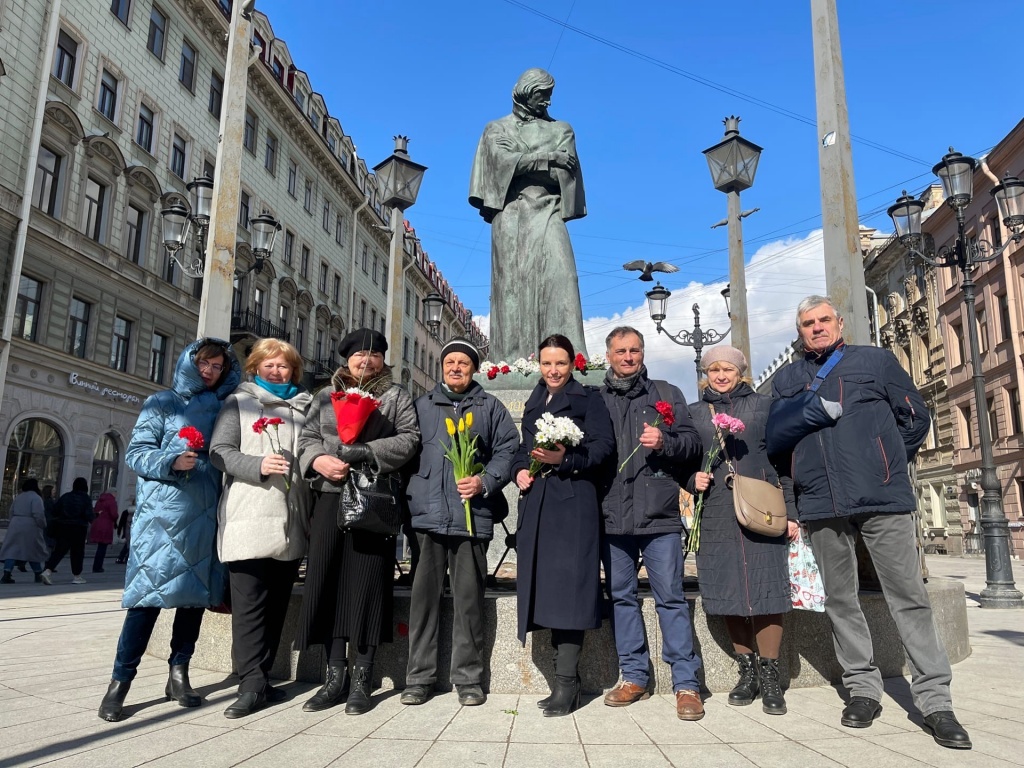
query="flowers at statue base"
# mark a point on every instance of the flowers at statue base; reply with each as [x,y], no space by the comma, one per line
[194,438]
[665,416]
[525,366]
[721,422]
[461,452]
[553,431]
[352,409]
[262,426]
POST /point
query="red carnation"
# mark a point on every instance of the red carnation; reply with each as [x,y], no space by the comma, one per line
[506,369]
[580,363]
[665,410]
[273,421]
[193,436]
[492,373]
[260,424]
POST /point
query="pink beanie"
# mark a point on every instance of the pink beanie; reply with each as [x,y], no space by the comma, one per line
[723,354]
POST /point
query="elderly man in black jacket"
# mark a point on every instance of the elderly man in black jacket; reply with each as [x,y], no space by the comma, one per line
[641,517]
[852,476]
[439,520]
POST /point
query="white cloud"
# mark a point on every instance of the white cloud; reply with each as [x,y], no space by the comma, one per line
[483,322]
[779,275]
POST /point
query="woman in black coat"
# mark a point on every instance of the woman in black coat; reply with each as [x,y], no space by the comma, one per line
[558,538]
[743,576]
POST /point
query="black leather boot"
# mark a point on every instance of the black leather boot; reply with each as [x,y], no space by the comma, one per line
[772,701]
[333,692]
[113,701]
[746,689]
[247,703]
[359,702]
[565,697]
[179,689]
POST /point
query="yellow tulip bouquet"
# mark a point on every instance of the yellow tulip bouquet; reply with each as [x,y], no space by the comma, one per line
[461,451]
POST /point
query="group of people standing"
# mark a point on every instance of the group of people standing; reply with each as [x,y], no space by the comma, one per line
[604,503]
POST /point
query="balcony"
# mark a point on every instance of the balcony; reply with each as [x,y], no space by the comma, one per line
[318,372]
[247,323]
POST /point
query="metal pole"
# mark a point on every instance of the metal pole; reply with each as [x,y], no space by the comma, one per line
[844,266]
[698,340]
[219,275]
[737,278]
[999,591]
[396,290]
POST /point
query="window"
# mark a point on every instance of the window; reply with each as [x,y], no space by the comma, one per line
[993,420]
[78,327]
[982,331]
[384,278]
[243,210]
[300,98]
[300,333]
[314,120]
[966,438]
[157,358]
[278,68]
[366,258]
[376,268]
[307,198]
[144,128]
[323,277]
[289,246]
[408,301]
[259,301]
[157,33]
[384,325]
[327,215]
[134,233]
[237,292]
[373,318]
[179,147]
[932,440]
[120,8]
[270,154]
[405,349]
[415,350]
[27,308]
[249,137]
[304,263]
[107,104]
[46,193]
[336,293]
[95,203]
[65,59]
[958,339]
[362,313]
[282,317]
[293,175]
[319,344]
[339,230]
[187,70]
[119,344]
[1005,324]
[1013,404]
[216,94]
[997,232]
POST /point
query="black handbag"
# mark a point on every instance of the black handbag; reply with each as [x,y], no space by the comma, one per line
[369,501]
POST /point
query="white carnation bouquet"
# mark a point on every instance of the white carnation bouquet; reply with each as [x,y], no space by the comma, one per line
[551,431]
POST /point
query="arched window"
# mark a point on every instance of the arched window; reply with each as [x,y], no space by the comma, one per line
[105,465]
[35,450]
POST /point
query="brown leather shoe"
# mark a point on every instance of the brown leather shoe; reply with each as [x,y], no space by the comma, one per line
[625,693]
[689,706]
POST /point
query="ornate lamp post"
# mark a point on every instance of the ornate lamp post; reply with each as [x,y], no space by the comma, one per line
[264,234]
[733,164]
[399,180]
[956,172]
[434,304]
[658,297]
[177,223]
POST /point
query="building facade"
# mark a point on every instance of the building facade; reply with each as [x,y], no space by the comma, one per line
[133,92]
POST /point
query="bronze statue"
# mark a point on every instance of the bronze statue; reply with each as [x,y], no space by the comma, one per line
[526,181]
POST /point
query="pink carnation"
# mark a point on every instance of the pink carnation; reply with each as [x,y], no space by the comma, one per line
[728,423]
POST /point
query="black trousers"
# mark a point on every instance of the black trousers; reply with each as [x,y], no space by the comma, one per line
[68,538]
[260,592]
[466,561]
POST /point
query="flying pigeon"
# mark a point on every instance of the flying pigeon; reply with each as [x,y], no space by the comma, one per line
[646,268]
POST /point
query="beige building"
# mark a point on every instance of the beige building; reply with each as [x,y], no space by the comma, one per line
[132,95]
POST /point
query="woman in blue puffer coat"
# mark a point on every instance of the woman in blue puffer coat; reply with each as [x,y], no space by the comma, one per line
[173,561]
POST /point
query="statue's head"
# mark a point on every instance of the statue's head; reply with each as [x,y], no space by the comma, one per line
[533,92]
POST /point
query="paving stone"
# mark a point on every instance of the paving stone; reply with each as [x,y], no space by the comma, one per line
[482,754]
[784,755]
[302,750]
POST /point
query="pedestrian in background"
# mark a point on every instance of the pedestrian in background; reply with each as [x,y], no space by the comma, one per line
[71,517]
[24,540]
[124,530]
[101,533]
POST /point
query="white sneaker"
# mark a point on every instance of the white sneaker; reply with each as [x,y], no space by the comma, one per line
[78,580]
[46,577]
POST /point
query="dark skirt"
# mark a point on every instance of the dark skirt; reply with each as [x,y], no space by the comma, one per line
[349,580]
[740,573]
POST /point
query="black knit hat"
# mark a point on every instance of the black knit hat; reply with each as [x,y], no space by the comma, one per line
[361,340]
[465,346]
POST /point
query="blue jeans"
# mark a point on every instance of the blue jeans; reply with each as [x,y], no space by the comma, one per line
[137,629]
[663,558]
[10,561]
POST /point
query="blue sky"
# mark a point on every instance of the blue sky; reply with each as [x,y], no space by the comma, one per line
[645,86]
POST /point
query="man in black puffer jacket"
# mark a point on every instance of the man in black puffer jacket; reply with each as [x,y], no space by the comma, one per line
[640,506]
[71,517]
[852,476]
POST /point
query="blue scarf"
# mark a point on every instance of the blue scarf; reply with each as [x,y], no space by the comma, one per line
[285,391]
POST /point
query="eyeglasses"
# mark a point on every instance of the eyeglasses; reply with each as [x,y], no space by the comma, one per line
[203,365]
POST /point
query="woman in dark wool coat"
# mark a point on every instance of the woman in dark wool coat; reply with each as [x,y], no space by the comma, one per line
[558,539]
[743,576]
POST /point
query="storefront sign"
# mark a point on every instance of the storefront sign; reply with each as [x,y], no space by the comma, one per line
[115,394]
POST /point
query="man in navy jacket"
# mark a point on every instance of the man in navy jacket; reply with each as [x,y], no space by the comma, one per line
[852,476]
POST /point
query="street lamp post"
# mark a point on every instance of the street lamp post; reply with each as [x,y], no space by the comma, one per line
[399,180]
[177,222]
[733,164]
[956,172]
[658,297]
[434,304]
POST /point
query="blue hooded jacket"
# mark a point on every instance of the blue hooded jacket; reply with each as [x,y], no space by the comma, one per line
[173,561]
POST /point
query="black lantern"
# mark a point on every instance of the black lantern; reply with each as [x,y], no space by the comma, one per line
[202,200]
[398,177]
[433,303]
[179,220]
[657,297]
[264,234]
[1010,200]
[733,161]
[956,172]
[906,217]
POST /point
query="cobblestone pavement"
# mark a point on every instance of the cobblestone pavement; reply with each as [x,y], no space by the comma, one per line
[57,644]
